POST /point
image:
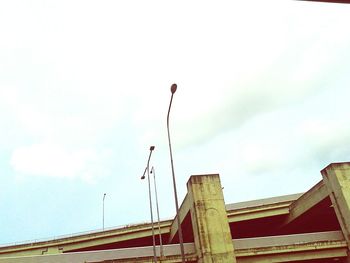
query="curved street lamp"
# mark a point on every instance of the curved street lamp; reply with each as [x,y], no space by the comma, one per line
[173,90]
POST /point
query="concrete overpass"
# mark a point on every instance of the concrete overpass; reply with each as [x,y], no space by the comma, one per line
[309,227]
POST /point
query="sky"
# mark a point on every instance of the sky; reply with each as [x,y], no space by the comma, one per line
[262,100]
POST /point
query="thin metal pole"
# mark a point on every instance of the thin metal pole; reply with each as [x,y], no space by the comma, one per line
[173,89]
[103,212]
[150,204]
[159,230]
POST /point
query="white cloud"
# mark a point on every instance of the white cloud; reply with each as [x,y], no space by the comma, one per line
[324,136]
[49,159]
[82,78]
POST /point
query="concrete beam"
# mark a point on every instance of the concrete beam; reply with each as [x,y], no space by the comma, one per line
[244,245]
[183,211]
[288,248]
[329,254]
[304,203]
[336,177]
[83,240]
[140,254]
[260,208]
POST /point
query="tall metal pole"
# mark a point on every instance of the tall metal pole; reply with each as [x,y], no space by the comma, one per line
[150,203]
[103,212]
[159,230]
[173,90]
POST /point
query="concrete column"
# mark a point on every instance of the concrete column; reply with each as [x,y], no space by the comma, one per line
[336,176]
[211,229]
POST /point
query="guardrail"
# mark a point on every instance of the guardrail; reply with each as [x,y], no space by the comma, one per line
[77,234]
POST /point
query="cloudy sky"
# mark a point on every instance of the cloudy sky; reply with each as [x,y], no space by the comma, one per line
[262,99]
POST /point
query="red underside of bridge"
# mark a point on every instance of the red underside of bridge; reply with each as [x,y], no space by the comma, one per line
[319,219]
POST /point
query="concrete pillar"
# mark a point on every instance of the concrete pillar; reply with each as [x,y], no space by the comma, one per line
[336,176]
[211,229]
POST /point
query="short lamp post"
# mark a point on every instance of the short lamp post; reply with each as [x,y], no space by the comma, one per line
[159,230]
[150,201]
[103,212]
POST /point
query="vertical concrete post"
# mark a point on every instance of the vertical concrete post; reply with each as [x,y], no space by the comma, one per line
[336,176]
[211,229]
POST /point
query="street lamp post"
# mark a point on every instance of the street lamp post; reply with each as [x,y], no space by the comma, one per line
[150,202]
[160,232]
[173,90]
[103,212]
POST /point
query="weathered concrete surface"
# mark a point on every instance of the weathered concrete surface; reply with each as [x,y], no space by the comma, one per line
[139,254]
[183,211]
[337,178]
[329,246]
[70,243]
[212,236]
[306,202]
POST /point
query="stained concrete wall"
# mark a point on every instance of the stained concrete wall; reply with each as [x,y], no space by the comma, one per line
[212,236]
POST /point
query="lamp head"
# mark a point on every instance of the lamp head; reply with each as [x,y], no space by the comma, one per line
[173,88]
[151,148]
[142,177]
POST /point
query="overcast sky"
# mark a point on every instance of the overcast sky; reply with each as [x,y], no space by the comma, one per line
[262,99]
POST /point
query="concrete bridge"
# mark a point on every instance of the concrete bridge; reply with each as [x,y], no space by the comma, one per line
[309,227]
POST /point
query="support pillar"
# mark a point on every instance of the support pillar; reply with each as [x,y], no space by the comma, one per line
[336,176]
[211,229]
